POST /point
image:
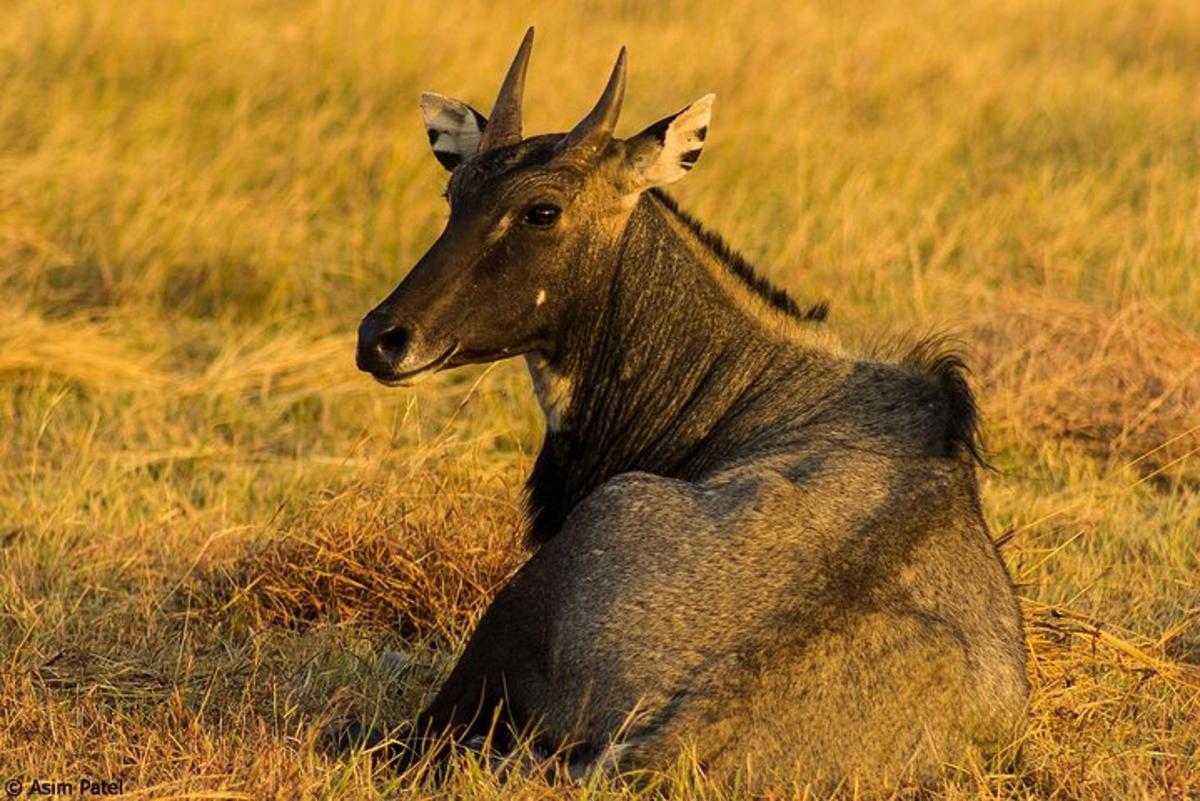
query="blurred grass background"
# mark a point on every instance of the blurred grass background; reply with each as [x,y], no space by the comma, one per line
[211,525]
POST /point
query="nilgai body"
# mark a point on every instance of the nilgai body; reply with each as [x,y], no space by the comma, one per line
[751,544]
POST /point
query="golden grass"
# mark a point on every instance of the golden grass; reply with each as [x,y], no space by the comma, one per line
[1123,386]
[424,570]
[212,529]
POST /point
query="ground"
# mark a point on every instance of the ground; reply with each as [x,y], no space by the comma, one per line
[212,527]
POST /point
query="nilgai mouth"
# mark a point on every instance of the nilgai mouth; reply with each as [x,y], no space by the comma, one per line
[409,377]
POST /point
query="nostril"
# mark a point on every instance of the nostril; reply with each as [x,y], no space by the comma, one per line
[393,342]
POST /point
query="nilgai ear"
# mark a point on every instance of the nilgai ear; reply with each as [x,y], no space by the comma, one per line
[665,151]
[454,128]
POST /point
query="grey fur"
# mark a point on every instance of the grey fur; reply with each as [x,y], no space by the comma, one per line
[751,543]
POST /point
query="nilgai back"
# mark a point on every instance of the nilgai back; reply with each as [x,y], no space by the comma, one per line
[750,543]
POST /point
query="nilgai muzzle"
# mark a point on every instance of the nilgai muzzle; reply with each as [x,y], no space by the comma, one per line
[750,543]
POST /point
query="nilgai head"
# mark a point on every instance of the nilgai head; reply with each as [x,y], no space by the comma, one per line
[531,223]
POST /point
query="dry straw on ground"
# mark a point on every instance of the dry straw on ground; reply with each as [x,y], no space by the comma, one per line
[215,536]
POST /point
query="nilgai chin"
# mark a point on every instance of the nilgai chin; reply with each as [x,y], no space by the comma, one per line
[750,543]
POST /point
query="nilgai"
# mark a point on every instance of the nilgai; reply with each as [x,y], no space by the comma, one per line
[749,543]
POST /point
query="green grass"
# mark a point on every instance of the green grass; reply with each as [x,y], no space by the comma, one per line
[211,526]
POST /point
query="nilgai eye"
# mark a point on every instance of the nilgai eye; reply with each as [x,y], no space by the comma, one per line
[542,215]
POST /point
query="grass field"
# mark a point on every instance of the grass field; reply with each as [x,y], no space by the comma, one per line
[212,526]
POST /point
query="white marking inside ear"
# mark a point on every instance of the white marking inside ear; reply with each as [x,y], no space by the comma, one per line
[665,160]
[541,298]
[454,128]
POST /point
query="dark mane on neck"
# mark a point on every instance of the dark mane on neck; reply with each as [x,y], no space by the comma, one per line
[737,264]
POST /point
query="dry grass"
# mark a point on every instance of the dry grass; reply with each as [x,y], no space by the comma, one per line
[425,569]
[1122,386]
[212,529]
